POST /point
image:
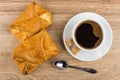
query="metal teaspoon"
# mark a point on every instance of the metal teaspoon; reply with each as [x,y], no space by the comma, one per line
[62,64]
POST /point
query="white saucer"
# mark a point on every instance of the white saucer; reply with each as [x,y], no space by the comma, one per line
[105,45]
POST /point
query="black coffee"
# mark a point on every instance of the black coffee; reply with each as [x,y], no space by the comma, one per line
[85,35]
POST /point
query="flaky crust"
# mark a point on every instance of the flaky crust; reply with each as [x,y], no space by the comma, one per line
[34,51]
[31,21]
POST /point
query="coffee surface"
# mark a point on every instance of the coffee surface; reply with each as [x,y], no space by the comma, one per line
[88,34]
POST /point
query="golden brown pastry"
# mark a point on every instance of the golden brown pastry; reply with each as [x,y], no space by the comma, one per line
[34,51]
[31,21]
[25,29]
[34,10]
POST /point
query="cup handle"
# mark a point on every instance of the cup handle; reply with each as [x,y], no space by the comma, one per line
[73,48]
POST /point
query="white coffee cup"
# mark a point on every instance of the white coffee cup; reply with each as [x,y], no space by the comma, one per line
[83,53]
[74,38]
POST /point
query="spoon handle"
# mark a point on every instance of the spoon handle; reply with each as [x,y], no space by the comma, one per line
[89,70]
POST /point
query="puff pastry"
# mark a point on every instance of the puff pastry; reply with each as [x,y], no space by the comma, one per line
[34,10]
[31,21]
[34,51]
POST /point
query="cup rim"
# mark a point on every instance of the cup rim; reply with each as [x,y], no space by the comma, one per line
[74,40]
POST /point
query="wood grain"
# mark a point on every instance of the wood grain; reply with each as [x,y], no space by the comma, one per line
[62,10]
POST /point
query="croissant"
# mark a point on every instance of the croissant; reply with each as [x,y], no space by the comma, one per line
[31,21]
[34,51]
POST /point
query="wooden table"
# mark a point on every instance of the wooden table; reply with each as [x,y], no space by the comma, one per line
[62,10]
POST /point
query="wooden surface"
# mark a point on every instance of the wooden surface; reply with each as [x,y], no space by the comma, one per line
[62,10]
